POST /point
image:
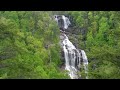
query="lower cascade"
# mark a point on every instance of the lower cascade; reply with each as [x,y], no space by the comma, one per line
[74,58]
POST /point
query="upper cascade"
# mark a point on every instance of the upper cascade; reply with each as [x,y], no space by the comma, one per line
[62,21]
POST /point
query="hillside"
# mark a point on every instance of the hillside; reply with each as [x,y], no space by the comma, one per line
[30,43]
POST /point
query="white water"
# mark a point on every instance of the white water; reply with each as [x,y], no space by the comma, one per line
[66,22]
[69,54]
[85,62]
[73,56]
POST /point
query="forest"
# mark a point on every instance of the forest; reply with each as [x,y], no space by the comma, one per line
[29,43]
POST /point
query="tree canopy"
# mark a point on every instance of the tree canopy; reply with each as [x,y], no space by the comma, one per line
[29,43]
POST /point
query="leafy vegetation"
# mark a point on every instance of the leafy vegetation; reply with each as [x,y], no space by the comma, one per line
[29,43]
[23,38]
[102,32]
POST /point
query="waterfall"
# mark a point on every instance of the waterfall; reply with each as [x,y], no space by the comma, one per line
[74,57]
[66,22]
[85,62]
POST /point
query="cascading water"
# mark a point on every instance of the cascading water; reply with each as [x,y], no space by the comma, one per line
[85,62]
[66,22]
[73,57]
[70,58]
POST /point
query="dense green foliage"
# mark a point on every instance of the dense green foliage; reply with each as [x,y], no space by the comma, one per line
[102,42]
[29,43]
[23,40]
